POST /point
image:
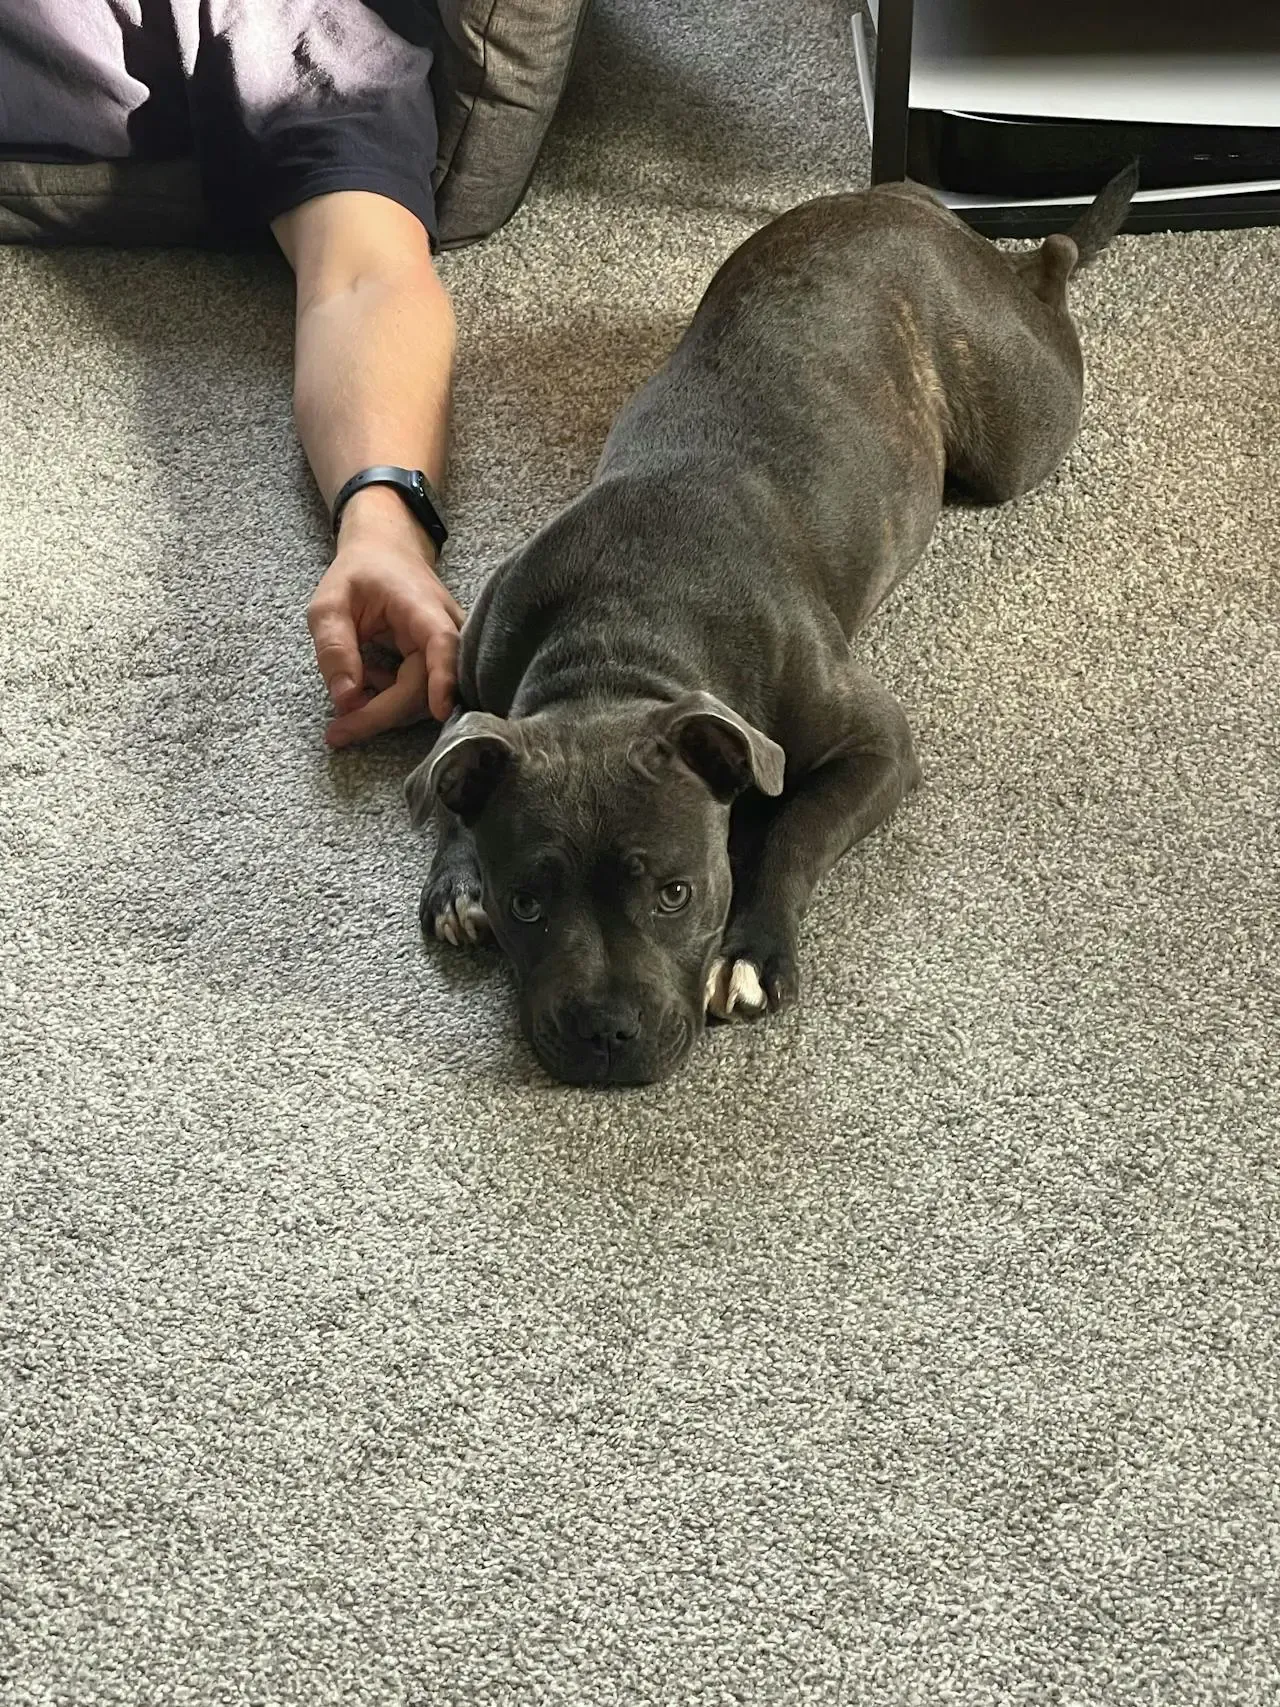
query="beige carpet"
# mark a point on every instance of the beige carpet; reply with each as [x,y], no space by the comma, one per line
[920,1348]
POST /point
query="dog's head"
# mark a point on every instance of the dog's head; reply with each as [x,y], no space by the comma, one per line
[603,840]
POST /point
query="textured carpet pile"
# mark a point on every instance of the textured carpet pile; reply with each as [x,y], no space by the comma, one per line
[919,1348]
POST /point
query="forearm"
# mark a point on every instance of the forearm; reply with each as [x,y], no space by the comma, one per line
[373,364]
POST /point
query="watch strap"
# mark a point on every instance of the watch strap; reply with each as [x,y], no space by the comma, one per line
[412,485]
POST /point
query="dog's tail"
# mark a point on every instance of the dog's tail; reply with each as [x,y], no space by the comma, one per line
[1099,223]
[1045,270]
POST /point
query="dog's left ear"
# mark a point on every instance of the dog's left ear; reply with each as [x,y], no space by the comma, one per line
[726,751]
[462,768]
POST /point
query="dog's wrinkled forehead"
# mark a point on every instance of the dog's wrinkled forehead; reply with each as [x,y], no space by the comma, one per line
[591,762]
[580,745]
[597,786]
[612,749]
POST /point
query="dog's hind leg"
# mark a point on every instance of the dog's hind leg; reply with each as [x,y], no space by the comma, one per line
[1016,413]
[451,909]
[1019,376]
[841,799]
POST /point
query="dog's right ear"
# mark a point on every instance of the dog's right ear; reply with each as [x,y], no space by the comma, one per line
[462,768]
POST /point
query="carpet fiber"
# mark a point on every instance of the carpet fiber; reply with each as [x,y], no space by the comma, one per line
[920,1347]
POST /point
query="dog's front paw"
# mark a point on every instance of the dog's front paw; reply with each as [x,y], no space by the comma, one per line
[748,985]
[451,910]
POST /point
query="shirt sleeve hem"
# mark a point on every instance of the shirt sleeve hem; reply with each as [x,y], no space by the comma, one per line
[405,191]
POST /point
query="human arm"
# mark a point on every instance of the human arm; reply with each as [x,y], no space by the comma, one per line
[373,360]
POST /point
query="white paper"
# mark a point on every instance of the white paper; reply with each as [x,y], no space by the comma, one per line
[862,59]
[1101,59]
[963,199]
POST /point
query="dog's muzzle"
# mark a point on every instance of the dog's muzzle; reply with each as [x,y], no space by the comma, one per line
[611,1043]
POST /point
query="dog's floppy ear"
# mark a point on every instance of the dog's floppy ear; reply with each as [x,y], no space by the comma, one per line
[462,768]
[721,747]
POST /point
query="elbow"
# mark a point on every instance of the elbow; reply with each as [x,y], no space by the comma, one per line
[384,282]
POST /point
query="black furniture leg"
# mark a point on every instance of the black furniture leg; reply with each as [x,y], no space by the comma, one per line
[893,92]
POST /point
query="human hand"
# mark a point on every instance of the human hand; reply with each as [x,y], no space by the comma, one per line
[381,590]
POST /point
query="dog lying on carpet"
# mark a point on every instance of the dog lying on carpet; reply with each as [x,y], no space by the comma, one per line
[663,743]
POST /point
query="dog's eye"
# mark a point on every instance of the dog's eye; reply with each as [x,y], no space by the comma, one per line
[673,896]
[525,907]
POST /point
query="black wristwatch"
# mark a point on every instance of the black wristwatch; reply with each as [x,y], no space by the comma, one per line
[412,485]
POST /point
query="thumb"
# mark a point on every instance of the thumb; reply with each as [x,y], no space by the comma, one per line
[337,648]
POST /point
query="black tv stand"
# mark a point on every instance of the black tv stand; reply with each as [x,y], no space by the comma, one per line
[945,80]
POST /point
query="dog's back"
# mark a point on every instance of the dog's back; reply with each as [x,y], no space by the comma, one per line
[855,353]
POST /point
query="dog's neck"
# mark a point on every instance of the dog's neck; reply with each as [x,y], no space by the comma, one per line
[565,673]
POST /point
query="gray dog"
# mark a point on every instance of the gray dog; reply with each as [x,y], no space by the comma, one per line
[664,743]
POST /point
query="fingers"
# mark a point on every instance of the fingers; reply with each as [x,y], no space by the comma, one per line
[418,623]
[405,701]
[452,609]
[404,698]
[432,629]
[392,601]
[442,673]
[337,648]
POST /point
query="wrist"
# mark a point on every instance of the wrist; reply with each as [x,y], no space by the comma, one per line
[378,515]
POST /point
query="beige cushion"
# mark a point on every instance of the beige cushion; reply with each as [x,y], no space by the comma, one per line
[503,66]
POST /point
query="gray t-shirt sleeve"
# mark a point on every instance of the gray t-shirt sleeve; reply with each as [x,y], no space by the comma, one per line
[304,97]
[279,100]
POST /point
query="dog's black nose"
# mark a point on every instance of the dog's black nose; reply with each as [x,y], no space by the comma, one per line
[607,1028]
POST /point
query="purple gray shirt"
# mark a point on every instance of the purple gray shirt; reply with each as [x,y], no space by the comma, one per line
[278,100]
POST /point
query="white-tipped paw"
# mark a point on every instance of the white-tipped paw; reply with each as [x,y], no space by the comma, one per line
[734,990]
[463,923]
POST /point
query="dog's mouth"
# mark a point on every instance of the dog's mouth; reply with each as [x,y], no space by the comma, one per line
[645,1061]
